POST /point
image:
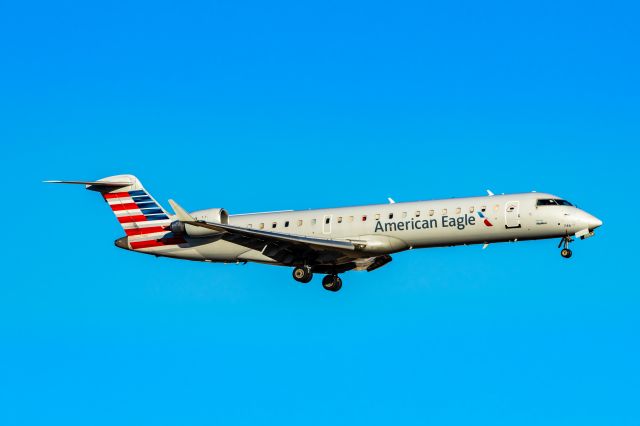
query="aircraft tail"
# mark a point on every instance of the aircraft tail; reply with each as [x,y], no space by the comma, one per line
[143,219]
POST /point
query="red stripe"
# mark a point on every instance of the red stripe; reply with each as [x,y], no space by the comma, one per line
[125,206]
[116,195]
[142,231]
[129,219]
[156,243]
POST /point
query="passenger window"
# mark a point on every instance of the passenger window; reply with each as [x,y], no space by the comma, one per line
[339,219]
[299,222]
[444,211]
[458,210]
[417,213]
[483,209]
[327,220]
[496,207]
[471,209]
[364,218]
[350,219]
[431,212]
[262,226]
[404,215]
[249,226]
[378,216]
[390,215]
[313,221]
[274,224]
[286,224]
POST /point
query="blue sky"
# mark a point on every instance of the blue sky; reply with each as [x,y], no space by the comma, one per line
[267,106]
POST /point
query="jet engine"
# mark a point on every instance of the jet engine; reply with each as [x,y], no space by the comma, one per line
[209,215]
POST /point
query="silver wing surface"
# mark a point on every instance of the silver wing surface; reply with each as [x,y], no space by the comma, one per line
[288,249]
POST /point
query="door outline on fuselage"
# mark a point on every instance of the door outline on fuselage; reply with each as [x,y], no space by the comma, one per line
[512,214]
[326,225]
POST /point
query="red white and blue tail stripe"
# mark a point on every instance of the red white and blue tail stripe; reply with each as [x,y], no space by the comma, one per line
[144,221]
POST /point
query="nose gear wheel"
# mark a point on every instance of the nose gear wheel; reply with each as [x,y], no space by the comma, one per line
[565,252]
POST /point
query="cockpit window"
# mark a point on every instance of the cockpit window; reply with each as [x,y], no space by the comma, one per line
[553,202]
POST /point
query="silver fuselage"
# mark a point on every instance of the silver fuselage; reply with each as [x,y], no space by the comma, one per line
[389,228]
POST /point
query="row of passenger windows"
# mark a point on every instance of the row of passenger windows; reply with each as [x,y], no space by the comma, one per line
[378,216]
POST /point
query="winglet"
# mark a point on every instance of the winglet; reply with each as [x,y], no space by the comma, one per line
[181,213]
[391,200]
[490,193]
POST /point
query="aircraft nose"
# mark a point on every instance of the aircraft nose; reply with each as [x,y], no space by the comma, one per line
[591,221]
[595,223]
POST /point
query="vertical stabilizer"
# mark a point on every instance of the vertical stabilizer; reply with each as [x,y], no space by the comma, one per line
[143,219]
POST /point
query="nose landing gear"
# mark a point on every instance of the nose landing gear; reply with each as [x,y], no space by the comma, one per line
[565,252]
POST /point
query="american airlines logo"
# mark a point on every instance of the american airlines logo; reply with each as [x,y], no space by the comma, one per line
[457,222]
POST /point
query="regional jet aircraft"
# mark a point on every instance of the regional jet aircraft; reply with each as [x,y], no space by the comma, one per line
[333,241]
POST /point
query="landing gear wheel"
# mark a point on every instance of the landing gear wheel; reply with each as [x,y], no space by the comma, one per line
[566,252]
[332,283]
[302,274]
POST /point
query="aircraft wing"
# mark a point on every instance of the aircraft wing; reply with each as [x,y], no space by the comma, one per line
[281,246]
[267,236]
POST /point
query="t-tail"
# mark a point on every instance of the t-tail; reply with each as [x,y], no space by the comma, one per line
[144,220]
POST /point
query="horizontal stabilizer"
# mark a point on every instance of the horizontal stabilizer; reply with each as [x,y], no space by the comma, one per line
[91,183]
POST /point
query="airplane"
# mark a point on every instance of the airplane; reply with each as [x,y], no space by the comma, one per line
[335,240]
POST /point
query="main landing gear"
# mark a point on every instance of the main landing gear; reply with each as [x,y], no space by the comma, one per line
[332,282]
[565,252]
[302,274]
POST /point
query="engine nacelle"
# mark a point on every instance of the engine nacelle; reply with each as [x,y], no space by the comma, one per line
[208,215]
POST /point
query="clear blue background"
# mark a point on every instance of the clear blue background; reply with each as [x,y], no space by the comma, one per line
[265,106]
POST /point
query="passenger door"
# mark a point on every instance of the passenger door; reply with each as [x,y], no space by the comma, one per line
[512,214]
[326,223]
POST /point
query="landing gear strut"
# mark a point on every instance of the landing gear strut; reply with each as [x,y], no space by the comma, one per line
[332,282]
[302,274]
[565,252]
